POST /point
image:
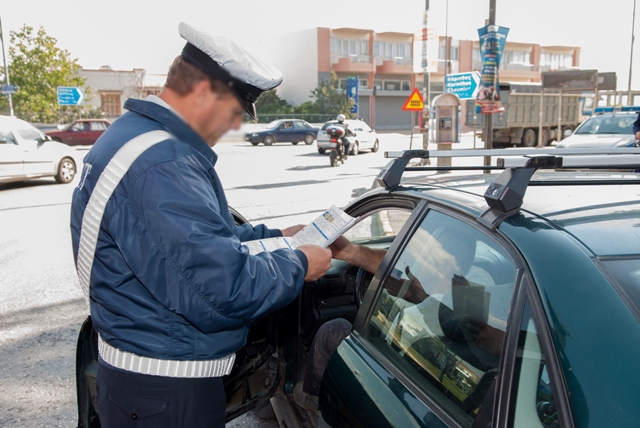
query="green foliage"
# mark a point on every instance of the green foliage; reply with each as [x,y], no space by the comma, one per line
[328,100]
[38,66]
[270,102]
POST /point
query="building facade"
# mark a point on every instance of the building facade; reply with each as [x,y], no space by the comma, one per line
[388,66]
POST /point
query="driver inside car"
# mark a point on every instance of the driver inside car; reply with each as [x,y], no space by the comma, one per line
[443,265]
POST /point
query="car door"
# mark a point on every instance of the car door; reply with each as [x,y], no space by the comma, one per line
[428,339]
[96,128]
[299,130]
[11,155]
[77,134]
[284,132]
[36,161]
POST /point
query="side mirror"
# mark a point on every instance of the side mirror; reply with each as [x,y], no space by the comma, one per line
[567,132]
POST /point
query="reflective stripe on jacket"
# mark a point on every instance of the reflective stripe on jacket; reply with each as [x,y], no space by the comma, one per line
[170,278]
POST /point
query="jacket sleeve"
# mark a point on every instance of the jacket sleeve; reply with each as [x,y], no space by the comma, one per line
[177,243]
[636,124]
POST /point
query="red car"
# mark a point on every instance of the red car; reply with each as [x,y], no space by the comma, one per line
[82,132]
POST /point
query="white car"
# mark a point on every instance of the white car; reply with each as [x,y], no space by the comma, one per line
[365,138]
[603,130]
[26,152]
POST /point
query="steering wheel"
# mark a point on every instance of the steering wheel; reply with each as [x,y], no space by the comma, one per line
[363,279]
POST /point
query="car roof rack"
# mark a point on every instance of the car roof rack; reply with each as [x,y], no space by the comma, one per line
[505,194]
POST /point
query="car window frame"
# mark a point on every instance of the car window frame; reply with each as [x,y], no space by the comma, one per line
[506,392]
[375,289]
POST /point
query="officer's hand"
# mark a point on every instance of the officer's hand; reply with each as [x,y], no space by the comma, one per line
[292,230]
[319,260]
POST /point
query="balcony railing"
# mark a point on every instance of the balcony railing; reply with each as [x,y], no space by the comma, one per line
[396,61]
[366,59]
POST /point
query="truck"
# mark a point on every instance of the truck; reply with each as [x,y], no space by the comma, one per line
[519,123]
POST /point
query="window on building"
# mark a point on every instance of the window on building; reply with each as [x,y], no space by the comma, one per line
[376,48]
[391,85]
[364,83]
[342,83]
[364,47]
[110,104]
[377,84]
[406,85]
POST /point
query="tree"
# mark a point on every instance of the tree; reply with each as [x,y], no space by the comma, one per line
[330,99]
[271,103]
[38,66]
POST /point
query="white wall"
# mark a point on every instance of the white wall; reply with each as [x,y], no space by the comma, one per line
[128,83]
[296,55]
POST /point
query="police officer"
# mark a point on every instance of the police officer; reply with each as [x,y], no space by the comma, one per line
[172,290]
[346,144]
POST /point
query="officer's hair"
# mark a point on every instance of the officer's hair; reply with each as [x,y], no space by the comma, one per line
[184,75]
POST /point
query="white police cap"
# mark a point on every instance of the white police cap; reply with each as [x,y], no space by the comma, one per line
[222,59]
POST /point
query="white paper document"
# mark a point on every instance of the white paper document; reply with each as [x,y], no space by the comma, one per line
[322,231]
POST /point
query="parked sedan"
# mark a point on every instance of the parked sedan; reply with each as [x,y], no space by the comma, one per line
[491,308]
[365,138]
[82,132]
[284,131]
[603,130]
[25,153]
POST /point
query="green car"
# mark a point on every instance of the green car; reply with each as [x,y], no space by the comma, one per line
[506,299]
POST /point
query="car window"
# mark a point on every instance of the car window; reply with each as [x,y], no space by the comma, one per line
[607,125]
[272,125]
[328,124]
[6,137]
[298,125]
[381,225]
[286,125]
[97,126]
[30,134]
[78,127]
[441,316]
[534,406]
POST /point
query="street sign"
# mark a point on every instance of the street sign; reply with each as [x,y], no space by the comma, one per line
[414,102]
[8,89]
[70,96]
[464,85]
[352,93]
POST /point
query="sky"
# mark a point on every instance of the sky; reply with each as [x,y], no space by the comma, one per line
[144,34]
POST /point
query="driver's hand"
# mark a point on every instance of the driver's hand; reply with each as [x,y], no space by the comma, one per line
[319,261]
[340,248]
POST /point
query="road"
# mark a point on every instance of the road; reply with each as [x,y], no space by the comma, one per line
[41,305]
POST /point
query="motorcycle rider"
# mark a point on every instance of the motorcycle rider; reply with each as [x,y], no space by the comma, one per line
[347,133]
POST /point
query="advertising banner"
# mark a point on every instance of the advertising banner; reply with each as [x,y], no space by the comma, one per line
[492,42]
[352,93]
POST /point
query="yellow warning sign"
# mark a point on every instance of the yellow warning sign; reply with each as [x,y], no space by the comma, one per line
[414,102]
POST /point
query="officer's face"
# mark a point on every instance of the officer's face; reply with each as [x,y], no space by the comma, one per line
[220,112]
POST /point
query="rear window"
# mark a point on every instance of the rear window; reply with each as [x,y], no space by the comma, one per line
[328,124]
[627,275]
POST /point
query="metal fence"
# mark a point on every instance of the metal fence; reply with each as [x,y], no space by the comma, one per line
[311,118]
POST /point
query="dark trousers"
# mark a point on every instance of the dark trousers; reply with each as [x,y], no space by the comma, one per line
[324,344]
[127,399]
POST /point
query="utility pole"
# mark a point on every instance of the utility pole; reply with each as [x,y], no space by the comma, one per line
[6,69]
[633,27]
[426,113]
[488,117]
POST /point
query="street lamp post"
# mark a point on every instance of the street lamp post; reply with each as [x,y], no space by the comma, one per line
[6,69]
[633,26]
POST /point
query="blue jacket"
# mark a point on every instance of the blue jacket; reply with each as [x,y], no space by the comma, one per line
[170,279]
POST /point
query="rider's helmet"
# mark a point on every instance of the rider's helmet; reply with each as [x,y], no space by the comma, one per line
[340,118]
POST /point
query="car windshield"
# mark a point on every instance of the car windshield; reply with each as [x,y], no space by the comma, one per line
[627,274]
[607,125]
[273,125]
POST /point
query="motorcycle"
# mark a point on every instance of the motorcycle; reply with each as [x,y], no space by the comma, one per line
[336,152]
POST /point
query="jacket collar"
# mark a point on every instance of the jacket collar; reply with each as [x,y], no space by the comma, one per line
[175,125]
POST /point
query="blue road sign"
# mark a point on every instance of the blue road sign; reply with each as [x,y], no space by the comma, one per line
[352,93]
[464,85]
[8,89]
[70,96]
